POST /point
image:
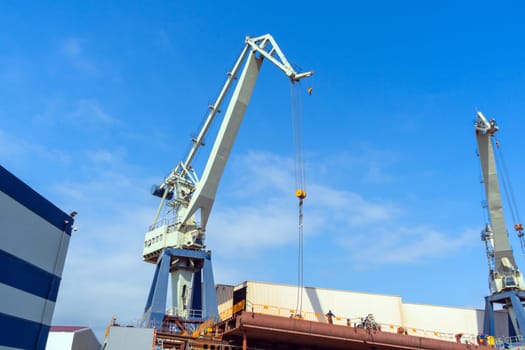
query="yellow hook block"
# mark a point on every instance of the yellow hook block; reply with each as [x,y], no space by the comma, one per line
[300,193]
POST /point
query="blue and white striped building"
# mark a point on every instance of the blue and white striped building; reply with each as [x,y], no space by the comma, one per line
[34,238]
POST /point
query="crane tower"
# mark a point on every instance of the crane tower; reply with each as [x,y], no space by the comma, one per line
[506,282]
[175,240]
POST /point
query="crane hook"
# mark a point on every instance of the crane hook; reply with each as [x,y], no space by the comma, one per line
[300,193]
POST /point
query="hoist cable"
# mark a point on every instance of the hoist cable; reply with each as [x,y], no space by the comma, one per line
[505,187]
[506,179]
[300,189]
[298,137]
[509,194]
[300,257]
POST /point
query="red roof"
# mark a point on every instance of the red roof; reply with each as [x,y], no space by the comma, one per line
[67,328]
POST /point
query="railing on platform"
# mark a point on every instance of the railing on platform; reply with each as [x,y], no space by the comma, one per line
[186,313]
[231,311]
[511,343]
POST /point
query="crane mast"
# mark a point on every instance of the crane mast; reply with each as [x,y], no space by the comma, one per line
[505,279]
[175,241]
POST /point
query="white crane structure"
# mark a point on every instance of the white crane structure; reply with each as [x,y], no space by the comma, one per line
[175,240]
[506,282]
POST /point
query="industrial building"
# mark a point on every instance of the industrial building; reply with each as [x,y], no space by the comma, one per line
[35,237]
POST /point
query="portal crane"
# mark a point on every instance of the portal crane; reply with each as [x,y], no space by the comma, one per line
[506,282]
[175,241]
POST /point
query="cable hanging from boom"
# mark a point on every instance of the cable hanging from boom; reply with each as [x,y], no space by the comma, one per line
[300,191]
[509,194]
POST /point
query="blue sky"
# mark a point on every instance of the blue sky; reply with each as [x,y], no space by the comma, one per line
[99,101]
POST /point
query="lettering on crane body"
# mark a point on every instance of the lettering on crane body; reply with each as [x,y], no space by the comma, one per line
[155,240]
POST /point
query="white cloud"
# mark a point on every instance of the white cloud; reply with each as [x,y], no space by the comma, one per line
[403,245]
[252,228]
[261,171]
[361,227]
[350,207]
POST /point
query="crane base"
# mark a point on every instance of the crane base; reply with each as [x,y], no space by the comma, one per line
[512,300]
[203,299]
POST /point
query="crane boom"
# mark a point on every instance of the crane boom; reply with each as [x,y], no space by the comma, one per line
[189,199]
[204,195]
[505,273]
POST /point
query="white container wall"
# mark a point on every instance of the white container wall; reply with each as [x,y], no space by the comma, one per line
[318,301]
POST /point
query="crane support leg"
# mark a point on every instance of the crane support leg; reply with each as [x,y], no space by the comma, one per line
[204,291]
[156,304]
[208,288]
[519,312]
[488,320]
[196,295]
